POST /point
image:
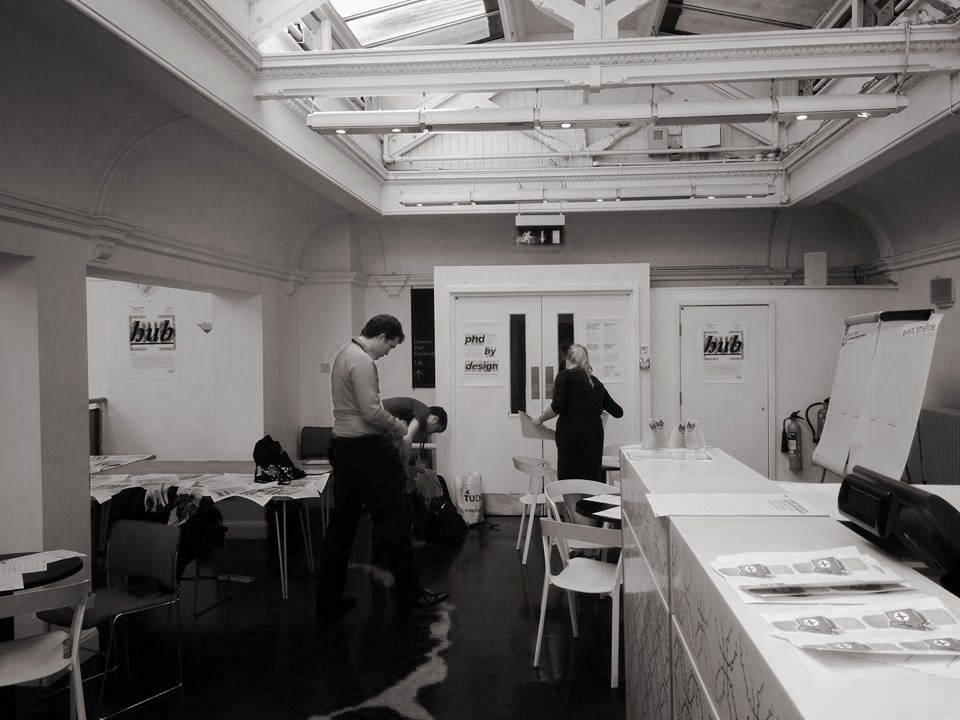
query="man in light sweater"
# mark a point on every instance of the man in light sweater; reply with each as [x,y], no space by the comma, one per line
[367,471]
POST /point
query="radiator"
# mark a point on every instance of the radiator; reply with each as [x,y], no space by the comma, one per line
[935,455]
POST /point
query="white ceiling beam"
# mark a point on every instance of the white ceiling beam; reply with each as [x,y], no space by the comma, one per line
[649,18]
[268,17]
[593,20]
[619,63]
[514,24]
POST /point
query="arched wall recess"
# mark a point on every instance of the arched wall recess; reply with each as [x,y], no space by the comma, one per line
[122,153]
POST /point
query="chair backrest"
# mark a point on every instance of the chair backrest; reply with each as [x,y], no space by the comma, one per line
[527,464]
[558,532]
[557,491]
[24,602]
[315,442]
[143,549]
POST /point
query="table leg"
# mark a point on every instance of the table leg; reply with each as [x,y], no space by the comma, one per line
[282,547]
[307,535]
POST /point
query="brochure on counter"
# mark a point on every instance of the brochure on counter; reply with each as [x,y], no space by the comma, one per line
[836,575]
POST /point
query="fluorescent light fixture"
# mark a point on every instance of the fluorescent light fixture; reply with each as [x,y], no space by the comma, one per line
[547,220]
[815,107]
[734,190]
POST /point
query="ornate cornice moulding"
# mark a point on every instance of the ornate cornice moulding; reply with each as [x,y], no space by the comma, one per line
[218,32]
[106,235]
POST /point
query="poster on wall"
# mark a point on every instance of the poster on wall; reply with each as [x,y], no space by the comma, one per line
[603,338]
[480,354]
[724,351]
[152,341]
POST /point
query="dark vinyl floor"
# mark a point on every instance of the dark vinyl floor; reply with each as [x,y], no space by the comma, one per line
[469,658]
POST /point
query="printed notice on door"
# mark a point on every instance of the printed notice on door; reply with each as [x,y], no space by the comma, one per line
[603,338]
[152,342]
[723,351]
[480,354]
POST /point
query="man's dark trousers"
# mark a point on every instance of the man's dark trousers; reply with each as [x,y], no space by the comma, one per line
[367,470]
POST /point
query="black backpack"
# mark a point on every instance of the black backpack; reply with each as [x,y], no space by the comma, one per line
[437,520]
[273,463]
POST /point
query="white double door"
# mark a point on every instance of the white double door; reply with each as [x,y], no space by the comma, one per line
[506,355]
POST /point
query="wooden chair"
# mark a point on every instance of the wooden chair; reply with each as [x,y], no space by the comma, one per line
[582,575]
[44,654]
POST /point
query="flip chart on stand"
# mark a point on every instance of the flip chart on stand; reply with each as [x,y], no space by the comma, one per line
[877,391]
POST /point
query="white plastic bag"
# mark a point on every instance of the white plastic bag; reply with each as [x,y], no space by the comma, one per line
[470,497]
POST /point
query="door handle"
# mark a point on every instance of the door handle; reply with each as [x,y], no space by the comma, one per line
[548,382]
[534,382]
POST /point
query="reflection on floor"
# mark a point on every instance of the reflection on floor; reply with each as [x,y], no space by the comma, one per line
[471,657]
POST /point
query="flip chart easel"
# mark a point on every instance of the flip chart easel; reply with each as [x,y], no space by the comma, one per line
[877,391]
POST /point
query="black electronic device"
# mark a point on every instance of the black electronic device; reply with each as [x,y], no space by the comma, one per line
[925,524]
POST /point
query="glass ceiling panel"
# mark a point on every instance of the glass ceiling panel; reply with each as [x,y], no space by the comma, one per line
[423,22]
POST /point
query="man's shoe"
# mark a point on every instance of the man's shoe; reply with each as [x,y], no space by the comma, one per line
[340,606]
[427,599]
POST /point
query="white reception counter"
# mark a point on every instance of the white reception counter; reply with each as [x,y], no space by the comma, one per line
[695,650]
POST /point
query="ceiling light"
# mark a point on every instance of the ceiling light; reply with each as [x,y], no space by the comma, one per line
[341,131]
[564,117]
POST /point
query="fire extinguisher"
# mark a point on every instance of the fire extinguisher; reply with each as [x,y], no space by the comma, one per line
[791,440]
[817,430]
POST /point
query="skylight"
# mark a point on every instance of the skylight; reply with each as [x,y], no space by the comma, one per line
[421,22]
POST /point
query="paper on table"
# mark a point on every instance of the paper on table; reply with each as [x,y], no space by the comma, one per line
[611,513]
[11,581]
[728,504]
[903,625]
[834,575]
[35,562]
[606,499]
[535,432]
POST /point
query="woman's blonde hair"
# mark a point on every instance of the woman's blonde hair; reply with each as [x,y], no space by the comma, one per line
[578,356]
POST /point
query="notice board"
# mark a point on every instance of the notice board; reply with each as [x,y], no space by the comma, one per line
[423,367]
[877,392]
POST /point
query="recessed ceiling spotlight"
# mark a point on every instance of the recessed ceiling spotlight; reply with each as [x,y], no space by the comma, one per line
[566,125]
[748,197]
[802,117]
[863,114]
[395,130]
[419,204]
[341,131]
[711,197]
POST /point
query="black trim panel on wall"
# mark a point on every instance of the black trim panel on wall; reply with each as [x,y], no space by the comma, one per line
[423,367]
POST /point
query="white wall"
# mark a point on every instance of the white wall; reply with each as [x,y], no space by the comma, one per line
[20,423]
[211,408]
[943,385]
[809,325]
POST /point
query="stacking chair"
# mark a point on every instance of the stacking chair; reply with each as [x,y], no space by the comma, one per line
[314,448]
[44,654]
[144,552]
[562,496]
[539,472]
[582,575]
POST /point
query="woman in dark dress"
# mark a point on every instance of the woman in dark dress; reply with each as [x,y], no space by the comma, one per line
[579,399]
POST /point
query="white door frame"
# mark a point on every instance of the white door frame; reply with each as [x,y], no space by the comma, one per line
[771,365]
[448,282]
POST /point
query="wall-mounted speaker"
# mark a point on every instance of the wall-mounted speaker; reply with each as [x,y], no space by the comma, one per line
[941,292]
